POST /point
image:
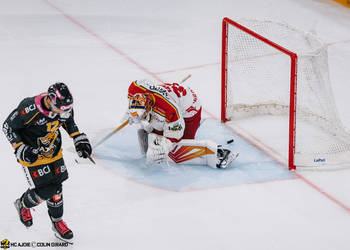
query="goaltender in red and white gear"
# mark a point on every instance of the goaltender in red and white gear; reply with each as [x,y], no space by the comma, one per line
[169,116]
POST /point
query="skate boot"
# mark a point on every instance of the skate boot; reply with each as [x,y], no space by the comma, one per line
[24,213]
[61,230]
[225,157]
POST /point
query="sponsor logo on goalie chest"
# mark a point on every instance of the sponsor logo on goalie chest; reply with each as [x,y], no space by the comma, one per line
[175,127]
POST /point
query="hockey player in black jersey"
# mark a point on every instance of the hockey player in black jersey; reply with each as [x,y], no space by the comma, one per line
[33,129]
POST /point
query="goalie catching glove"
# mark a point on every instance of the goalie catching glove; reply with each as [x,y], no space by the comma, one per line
[27,153]
[82,145]
[158,148]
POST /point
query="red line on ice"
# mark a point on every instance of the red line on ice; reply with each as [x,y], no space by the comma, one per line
[101,39]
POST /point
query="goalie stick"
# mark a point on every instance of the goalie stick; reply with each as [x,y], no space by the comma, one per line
[126,122]
[185,79]
[79,160]
[111,133]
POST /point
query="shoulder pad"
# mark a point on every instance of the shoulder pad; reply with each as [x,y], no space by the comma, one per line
[27,106]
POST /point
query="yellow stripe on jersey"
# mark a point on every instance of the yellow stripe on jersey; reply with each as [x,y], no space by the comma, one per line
[143,88]
[43,160]
[31,118]
[164,99]
[74,134]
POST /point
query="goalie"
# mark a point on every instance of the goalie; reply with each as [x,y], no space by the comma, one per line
[169,116]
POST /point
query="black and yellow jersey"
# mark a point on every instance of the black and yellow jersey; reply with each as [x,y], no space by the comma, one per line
[30,124]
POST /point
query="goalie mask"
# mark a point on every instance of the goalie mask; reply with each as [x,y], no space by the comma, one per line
[141,101]
[140,105]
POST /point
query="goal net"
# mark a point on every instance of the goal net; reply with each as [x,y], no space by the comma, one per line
[271,68]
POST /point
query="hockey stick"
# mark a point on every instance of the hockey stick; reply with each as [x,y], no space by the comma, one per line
[79,160]
[111,133]
[92,160]
[185,79]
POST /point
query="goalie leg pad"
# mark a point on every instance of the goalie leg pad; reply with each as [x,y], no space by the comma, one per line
[201,152]
[143,140]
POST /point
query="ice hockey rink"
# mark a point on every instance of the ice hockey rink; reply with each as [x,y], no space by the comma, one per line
[98,48]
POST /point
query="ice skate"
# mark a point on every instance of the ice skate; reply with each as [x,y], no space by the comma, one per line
[61,230]
[24,213]
[225,157]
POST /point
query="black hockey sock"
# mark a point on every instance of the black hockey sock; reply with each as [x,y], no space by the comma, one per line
[55,205]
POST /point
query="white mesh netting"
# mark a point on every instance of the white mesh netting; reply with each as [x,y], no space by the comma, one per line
[258,83]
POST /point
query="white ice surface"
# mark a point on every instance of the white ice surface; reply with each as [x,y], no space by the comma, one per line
[99,47]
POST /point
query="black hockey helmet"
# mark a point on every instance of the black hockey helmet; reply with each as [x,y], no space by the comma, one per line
[60,96]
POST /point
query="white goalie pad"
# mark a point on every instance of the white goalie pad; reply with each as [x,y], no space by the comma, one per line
[193,152]
[201,152]
[142,136]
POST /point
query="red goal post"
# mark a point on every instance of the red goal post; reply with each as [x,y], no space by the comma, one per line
[248,49]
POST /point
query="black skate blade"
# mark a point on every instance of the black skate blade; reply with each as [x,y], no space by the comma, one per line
[70,242]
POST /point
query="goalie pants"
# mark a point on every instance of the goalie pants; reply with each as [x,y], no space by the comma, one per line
[45,183]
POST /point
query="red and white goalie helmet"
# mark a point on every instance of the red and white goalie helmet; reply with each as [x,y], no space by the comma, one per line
[141,100]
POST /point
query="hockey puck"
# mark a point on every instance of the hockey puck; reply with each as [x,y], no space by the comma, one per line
[230,141]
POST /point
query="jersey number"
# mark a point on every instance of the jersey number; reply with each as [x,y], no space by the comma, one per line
[52,126]
[177,88]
